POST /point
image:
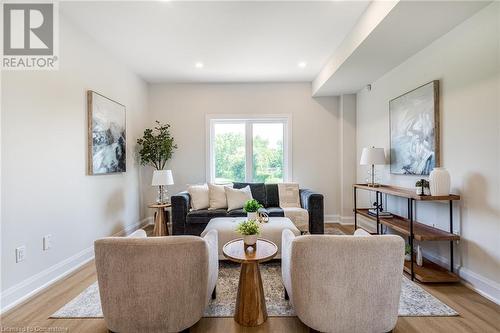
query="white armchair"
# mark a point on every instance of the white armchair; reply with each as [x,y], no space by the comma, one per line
[155,284]
[343,283]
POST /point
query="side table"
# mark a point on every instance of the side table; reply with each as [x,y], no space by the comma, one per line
[250,302]
[161,228]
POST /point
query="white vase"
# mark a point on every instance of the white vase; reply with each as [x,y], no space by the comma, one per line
[439,182]
[420,260]
[252,216]
[249,239]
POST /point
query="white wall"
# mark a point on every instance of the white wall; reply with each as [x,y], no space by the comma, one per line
[466,61]
[45,189]
[315,138]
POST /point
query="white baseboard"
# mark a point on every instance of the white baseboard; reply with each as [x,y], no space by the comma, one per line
[344,220]
[347,220]
[331,218]
[35,284]
[483,286]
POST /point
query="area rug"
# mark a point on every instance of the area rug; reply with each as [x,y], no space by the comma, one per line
[414,301]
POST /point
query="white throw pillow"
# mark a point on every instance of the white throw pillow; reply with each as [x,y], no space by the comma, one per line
[199,196]
[236,198]
[217,196]
[289,195]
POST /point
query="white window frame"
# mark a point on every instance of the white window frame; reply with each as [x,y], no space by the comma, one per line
[249,120]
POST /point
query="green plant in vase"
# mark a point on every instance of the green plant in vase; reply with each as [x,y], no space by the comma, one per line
[249,229]
[407,252]
[155,148]
[422,187]
[251,207]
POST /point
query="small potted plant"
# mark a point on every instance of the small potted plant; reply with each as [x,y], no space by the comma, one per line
[249,229]
[422,187]
[251,207]
[407,252]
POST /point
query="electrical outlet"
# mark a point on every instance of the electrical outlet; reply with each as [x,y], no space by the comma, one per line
[47,242]
[20,253]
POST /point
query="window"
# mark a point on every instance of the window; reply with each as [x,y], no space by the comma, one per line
[248,149]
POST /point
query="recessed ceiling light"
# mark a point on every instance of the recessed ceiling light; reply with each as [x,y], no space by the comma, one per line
[302,64]
[199,64]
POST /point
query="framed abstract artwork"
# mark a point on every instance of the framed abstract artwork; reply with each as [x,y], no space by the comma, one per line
[106,135]
[414,131]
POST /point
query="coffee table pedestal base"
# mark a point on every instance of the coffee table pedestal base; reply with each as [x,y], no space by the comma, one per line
[250,302]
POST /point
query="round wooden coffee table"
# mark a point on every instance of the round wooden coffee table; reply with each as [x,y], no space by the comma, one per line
[250,302]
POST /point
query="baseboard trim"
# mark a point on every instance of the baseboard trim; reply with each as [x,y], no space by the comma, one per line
[480,284]
[35,284]
[347,220]
[331,218]
[483,286]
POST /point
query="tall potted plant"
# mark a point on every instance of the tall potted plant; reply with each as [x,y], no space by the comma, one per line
[155,148]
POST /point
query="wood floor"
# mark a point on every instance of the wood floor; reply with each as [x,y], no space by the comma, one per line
[477,314]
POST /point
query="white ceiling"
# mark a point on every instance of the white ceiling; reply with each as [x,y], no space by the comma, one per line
[236,41]
[406,29]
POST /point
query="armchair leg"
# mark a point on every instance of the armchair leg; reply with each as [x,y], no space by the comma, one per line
[214,293]
[286,294]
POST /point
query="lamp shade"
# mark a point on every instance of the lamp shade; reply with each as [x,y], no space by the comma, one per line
[162,177]
[372,156]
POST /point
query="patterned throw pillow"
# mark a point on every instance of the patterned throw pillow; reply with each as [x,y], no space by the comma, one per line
[289,195]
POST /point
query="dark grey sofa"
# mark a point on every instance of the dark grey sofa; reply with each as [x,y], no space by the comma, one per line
[187,222]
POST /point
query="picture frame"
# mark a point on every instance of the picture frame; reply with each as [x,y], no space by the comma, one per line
[106,135]
[415,131]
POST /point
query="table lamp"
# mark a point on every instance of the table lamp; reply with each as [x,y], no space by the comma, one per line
[162,178]
[372,156]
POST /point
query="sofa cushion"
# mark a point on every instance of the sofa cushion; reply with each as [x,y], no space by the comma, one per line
[272,197]
[258,191]
[275,212]
[236,213]
[204,215]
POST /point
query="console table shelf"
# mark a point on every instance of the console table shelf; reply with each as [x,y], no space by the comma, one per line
[429,272]
[421,232]
[404,192]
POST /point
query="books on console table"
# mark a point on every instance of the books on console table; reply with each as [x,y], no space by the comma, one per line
[373,212]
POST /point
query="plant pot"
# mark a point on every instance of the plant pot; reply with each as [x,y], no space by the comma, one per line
[427,191]
[249,239]
[439,182]
[252,216]
[407,257]
[418,190]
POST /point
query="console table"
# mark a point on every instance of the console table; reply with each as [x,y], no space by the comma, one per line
[429,272]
